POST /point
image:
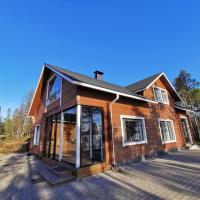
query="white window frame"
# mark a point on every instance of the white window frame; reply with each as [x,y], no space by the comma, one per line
[36,139]
[161,89]
[168,141]
[123,134]
[47,92]
[188,128]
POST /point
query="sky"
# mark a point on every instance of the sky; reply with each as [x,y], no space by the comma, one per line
[127,40]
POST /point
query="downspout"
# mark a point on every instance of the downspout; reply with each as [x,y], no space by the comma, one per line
[112,130]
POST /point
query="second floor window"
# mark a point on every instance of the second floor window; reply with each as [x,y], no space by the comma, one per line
[54,89]
[161,95]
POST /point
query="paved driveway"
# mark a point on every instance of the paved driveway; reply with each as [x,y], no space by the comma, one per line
[176,176]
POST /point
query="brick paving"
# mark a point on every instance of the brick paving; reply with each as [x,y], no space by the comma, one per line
[176,176]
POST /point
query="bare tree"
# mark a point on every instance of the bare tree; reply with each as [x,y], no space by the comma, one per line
[17,124]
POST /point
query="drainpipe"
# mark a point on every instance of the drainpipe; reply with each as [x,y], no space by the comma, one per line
[112,130]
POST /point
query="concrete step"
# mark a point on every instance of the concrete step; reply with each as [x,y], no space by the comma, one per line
[61,170]
[192,147]
[54,179]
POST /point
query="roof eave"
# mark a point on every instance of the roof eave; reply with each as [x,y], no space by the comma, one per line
[84,85]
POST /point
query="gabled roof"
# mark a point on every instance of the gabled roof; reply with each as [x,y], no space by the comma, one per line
[142,84]
[148,82]
[84,81]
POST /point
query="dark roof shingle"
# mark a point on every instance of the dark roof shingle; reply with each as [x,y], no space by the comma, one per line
[90,80]
[142,84]
[93,81]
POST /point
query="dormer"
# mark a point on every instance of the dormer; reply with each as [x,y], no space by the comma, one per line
[156,87]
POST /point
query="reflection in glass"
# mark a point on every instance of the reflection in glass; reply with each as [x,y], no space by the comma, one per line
[69,136]
[91,135]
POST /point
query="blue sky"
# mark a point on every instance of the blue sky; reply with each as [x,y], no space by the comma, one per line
[128,40]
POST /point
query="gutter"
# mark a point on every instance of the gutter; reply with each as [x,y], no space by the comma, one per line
[99,88]
[184,109]
[113,92]
[112,131]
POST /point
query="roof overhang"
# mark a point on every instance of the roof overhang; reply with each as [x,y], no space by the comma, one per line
[38,90]
[184,109]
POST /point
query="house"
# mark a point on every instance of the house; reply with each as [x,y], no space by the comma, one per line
[88,122]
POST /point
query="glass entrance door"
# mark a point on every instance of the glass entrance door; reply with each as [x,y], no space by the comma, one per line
[185,130]
[91,135]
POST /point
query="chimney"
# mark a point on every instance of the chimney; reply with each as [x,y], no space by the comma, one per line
[98,75]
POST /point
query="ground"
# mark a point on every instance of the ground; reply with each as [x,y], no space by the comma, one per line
[176,176]
[13,145]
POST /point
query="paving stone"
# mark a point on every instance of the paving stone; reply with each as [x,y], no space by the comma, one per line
[176,176]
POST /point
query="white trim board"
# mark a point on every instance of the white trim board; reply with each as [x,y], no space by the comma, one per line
[88,86]
[36,89]
[99,88]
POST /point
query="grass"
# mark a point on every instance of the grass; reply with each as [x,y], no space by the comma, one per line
[13,145]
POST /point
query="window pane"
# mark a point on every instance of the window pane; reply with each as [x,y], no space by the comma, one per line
[171,132]
[54,89]
[69,136]
[133,130]
[164,96]
[51,87]
[163,127]
[37,134]
[158,94]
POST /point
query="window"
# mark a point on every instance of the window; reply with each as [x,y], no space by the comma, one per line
[54,88]
[133,130]
[36,140]
[167,131]
[161,95]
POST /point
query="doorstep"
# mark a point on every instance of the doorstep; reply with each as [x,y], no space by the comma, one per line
[54,179]
[191,147]
[62,169]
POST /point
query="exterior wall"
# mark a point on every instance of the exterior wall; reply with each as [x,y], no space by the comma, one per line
[68,99]
[73,95]
[94,98]
[39,119]
[166,111]
[182,114]
[149,93]
[151,112]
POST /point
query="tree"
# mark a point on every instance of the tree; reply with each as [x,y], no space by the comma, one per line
[184,85]
[1,124]
[195,98]
[8,123]
[188,89]
[17,124]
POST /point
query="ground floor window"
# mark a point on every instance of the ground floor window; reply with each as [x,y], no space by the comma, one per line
[66,129]
[36,140]
[133,130]
[186,130]
[167,131]
[69,135]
